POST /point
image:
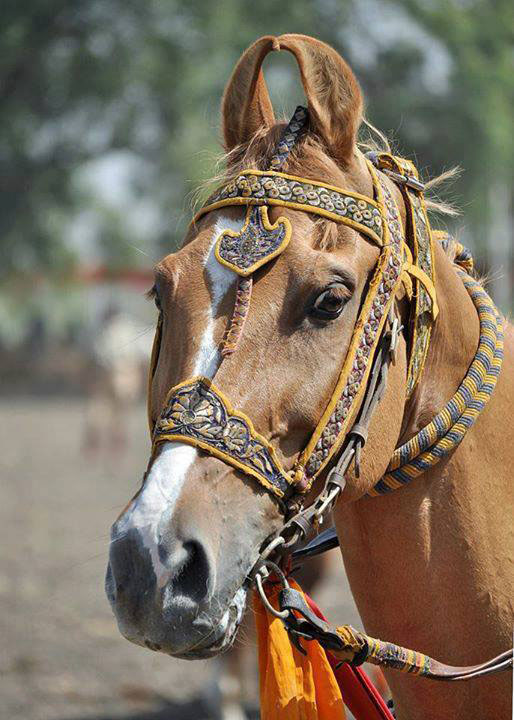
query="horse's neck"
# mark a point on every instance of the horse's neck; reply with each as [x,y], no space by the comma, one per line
[428,563]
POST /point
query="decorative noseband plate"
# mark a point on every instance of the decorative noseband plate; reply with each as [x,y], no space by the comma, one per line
[197,413]
[255,244]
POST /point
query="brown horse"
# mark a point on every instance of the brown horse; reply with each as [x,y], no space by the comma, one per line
[430,566]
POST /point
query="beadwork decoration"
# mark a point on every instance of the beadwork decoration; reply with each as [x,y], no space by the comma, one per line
[422,311]
[334,423]
[424,307]
[255,244]
[241,307]
[295,128]
[197,413]
[254,187]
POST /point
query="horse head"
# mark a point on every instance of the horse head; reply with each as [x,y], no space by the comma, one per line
[184,546]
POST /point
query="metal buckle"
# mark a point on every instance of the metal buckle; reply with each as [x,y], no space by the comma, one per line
[407,180]
[403,179]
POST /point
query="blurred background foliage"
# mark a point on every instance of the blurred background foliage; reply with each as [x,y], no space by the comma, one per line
[110,115]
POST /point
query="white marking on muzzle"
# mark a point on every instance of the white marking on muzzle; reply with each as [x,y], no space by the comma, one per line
[157,500]
[169,472]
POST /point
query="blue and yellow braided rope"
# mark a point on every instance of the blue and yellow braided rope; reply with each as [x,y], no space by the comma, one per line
[385,654]
[449,426]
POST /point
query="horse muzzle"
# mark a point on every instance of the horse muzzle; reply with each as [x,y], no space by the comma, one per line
[164,597]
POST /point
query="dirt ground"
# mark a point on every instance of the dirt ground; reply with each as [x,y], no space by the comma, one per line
[61,656]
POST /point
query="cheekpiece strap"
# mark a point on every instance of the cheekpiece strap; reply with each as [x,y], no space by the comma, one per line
[199,414]
[351,386]
[421,268]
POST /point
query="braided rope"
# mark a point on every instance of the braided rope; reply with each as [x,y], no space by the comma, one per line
[239,315]
[295,127]
[288,139]
[447,429]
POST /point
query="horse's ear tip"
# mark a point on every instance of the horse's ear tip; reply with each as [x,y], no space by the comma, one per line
[269,42]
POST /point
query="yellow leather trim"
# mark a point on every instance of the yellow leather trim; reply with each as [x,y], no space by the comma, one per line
[421,275]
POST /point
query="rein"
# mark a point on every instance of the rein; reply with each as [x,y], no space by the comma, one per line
[196,412]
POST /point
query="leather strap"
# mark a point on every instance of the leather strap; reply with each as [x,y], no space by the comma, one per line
[355,647]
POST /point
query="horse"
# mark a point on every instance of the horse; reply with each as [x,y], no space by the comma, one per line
[430,564]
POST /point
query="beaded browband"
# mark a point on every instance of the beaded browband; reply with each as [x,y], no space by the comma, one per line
[197,413]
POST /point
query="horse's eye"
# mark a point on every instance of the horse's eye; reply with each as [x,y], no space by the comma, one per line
[330,303]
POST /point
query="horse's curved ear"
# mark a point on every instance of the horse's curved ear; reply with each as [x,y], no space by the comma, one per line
[246,105]
[333,94]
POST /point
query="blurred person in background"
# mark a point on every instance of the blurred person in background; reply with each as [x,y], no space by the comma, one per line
[118,354]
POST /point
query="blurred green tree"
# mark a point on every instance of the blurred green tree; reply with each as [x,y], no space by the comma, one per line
[472,123]
[88,87]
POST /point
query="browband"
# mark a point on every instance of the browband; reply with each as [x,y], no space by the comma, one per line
[258,187]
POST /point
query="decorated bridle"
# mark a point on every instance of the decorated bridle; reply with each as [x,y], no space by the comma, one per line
[196,412]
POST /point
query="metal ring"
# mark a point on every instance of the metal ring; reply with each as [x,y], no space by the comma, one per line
[294,539]
[261,560]
[278,571]
[281,614]
[331,497]
[277,542]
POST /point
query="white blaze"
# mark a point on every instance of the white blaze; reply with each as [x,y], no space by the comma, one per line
[169,472]
[220,280]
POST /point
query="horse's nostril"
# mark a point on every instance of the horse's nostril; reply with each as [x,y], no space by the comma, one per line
[130,578]
[192,580]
